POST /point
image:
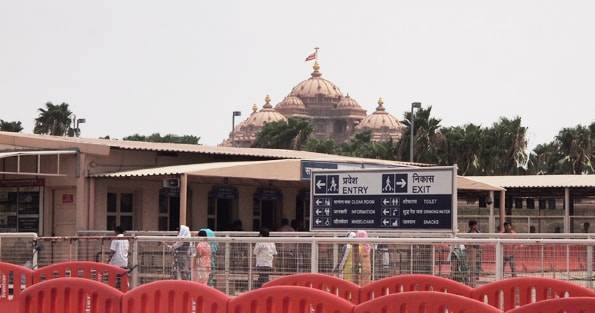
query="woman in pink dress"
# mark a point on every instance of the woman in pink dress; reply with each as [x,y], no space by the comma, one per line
[202,261]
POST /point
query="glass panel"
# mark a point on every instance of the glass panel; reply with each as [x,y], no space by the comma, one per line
[163,207]
[28,203]
[126,222]
[530,203]
[163,223]
[126,202]
[111,222]
[112,202]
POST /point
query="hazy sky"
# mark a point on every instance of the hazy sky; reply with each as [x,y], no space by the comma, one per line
[183,66]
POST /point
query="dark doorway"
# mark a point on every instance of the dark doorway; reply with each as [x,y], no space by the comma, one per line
[224,214]
[174,212]
[269,216]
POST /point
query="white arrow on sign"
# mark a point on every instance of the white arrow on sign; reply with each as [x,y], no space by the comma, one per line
[385,222]
[318,202]
[320,184]
[401,183]
[318,211]
[385,201]
[385,212]
[318,221]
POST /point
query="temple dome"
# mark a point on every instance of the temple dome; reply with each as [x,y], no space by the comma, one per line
[291,105]
[316,85]
[382,125]
[348,102]
[266,115]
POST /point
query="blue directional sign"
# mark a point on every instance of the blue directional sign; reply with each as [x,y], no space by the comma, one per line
[406,199]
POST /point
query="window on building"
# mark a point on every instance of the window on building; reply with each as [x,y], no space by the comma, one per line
[518,203]
[551,204]
[542,204]
[530,203]
[169,209]
[482,202]
[120,210]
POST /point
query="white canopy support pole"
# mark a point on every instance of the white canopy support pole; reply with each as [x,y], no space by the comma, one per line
[183,198]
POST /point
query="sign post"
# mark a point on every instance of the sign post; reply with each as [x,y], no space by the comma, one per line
[388,199]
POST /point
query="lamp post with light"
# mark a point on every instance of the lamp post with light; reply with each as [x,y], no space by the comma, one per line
[414,105]
[233,124]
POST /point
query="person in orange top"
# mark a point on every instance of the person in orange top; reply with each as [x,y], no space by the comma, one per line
[201,268]
[364,252]
[509,251]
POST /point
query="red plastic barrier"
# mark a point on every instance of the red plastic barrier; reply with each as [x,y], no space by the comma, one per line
[424,301]
[114,276]
[288,299]
[70,295]
[13,279]
[523,287]
[567,305]
[415,282]
[339,287]
[173,296]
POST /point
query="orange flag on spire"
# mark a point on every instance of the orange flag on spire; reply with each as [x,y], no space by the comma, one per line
[312,56]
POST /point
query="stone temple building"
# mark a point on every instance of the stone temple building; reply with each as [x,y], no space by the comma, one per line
[332,114]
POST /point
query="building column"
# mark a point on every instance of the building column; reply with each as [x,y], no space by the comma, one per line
[81,197]
[92,203]
[183,198]
[566,210]
[502,209]
[492,220]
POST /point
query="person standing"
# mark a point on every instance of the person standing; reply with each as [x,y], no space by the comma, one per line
[182,254]
[344,268]
[364,253]
[474,255]
[509,251]
[214,248]
[119,249]
[201,268]
[264,252]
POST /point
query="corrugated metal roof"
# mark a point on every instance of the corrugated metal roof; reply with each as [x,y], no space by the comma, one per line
[283,170]
[538,181]
[9,138]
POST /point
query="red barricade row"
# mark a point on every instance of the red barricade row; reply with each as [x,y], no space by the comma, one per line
[502,294]
[416,282]
[76,295]
[424,302]
[177,296]
[114,276]
[567,305]
[339,287]
[288,299]
[13,280]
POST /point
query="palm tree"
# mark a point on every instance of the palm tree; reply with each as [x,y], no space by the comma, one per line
[505,148]
[14,127]
[427,136]
[292,134]
[462,146]
[575,146]
[54,120]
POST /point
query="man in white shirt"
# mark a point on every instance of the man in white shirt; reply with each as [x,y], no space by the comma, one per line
[119,249]
[264,252]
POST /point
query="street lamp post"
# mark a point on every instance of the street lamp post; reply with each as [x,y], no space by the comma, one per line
[233,124]
[414,105]
[77,124]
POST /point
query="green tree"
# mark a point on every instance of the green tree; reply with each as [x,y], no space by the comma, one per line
[168,138]
[292,134]
[575,145]
[321,146]
[14,127]
[505,148]
[426,135]
[54,120]
[462,146]
[545,159]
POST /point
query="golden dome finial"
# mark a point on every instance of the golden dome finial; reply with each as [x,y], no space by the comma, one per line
[380,104]
[316,68]
[267,103]
[254,108]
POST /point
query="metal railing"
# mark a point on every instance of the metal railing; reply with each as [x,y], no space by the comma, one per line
[473,261]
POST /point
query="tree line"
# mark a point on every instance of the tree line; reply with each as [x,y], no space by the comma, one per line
[497,149]
[59,120]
